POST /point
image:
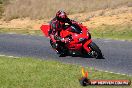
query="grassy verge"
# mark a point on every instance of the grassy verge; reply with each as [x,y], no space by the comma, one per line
[20,31]
[36,73]
[118,32]
[121,32]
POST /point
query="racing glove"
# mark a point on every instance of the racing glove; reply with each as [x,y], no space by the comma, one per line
[57,38]
[65,40]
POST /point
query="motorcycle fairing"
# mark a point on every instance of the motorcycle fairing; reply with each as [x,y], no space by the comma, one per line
[74,44]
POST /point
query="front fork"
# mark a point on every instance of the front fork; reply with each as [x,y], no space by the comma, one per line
[85,46]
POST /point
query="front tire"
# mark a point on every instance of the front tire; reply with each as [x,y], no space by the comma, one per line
[95,52]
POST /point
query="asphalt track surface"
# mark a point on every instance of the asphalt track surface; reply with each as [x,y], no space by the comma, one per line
[118,54]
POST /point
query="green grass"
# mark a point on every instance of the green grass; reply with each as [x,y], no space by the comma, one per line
[121,32]
[37,73]
[20,31]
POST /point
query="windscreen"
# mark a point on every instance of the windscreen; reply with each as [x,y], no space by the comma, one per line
[76,29]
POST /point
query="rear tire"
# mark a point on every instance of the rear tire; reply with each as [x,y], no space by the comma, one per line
[96,52]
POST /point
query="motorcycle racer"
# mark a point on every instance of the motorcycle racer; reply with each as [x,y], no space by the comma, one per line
[56,25]
[74,39]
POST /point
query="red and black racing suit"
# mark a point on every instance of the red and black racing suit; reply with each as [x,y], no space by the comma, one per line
[55,29]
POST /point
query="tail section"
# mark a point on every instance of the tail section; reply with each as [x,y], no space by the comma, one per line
[45,29]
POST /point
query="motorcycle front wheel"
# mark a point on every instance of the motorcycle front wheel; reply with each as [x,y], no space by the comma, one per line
[95,51]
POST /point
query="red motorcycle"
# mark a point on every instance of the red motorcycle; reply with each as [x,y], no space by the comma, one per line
[80,42]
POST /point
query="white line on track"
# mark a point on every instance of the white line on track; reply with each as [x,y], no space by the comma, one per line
[112,72]
[8,56]
[95,69]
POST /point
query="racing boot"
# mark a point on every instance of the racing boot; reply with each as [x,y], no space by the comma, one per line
[62,55]
[62,52]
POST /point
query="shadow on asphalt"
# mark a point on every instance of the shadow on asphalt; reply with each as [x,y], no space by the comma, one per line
[82,56]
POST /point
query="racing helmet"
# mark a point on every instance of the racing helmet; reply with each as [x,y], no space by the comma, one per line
[61,16]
